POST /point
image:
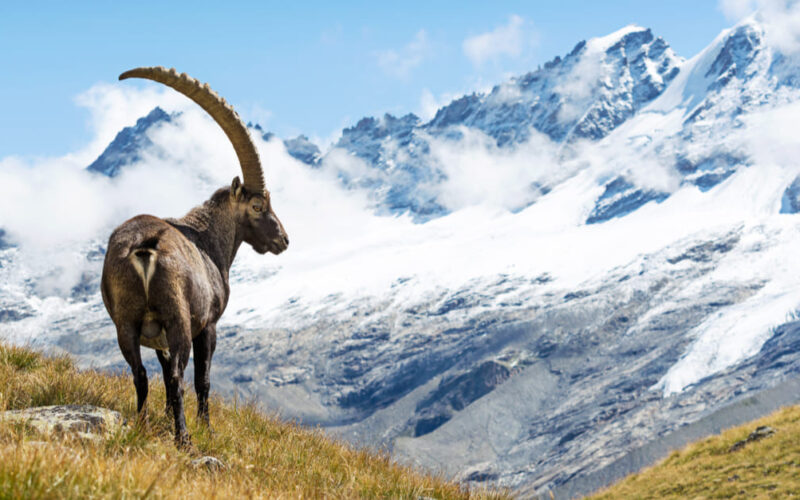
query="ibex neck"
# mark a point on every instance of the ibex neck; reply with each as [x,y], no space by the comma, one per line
[213,229]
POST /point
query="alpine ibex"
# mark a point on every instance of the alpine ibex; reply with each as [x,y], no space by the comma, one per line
[165,281]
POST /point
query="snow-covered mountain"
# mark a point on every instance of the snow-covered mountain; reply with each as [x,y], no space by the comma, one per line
[544,286]
[585,95]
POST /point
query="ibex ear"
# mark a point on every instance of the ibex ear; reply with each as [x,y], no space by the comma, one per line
[237,194]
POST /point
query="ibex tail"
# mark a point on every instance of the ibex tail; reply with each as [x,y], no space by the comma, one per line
[144,261]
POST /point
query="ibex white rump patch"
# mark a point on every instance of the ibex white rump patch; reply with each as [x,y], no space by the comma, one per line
[144,261]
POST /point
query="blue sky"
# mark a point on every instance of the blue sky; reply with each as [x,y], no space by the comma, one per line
[302,67]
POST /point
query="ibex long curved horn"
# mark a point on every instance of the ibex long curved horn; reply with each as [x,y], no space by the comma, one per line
[222,113]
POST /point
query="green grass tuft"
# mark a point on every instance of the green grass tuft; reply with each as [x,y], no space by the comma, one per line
[19,358]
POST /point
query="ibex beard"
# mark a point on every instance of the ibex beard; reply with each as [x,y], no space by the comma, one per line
[165,281]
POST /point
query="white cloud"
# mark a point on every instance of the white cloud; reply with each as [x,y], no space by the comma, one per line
[577,87]
[737,9]
[782,20]
[509,40]
[769,137]
[480,173]
[256,113]
[56,202]
[429,104]
[51,203]
[400,63]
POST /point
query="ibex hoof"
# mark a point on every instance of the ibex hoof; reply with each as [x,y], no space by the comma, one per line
[183,442]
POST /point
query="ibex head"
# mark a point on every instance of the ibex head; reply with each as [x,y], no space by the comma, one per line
[260,227]
[250,199]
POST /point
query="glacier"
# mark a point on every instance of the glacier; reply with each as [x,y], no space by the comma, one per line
[545,286]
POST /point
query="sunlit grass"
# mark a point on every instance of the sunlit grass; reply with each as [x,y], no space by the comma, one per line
[767,468]
[265,457]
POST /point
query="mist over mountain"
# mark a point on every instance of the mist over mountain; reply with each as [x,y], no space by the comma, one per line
[543,287]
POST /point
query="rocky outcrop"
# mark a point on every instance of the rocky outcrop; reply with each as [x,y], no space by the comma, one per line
[760,433]
[209,463]
[84,421]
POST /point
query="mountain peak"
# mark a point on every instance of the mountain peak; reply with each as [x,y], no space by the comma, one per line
[737,53]
[603,43]
[129,143]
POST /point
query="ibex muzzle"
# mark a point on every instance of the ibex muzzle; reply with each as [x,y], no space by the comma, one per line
[165,281]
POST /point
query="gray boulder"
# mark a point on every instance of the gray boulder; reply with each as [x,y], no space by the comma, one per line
[84,421]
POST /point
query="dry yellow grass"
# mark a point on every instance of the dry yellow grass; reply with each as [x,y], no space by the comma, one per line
[266,458]
[767,468]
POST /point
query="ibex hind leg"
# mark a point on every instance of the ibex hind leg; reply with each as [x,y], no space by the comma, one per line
[180,345]
[165,370]
[204,345]
[128,339]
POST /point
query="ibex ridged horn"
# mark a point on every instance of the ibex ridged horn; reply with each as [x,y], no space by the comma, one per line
[222,113]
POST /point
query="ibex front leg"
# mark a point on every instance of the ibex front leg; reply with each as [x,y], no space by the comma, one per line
[204,345]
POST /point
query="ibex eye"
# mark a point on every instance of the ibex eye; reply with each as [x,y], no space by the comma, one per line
[257,208]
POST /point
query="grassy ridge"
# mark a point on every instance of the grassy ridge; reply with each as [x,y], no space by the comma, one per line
[265,458]
[767,468]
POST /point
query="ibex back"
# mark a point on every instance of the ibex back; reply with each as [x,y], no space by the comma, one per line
[165,281]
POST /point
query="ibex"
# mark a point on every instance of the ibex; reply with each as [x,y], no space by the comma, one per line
[165,281]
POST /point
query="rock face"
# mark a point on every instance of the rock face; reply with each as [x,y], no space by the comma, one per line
[299,148]
[3,243]
[621,198]
[304,150]
[790,203]
[127,146]
[84,421]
